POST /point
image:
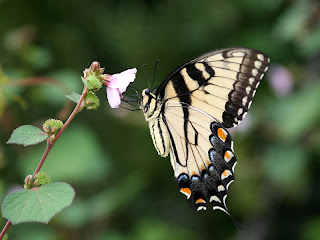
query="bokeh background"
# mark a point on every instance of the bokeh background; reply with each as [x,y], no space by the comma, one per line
[124,190]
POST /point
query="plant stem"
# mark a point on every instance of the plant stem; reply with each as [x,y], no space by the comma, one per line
[4,230]
[50,145]
[44,156]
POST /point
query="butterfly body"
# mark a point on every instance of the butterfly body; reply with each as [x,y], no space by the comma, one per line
[152,111]
[188,116]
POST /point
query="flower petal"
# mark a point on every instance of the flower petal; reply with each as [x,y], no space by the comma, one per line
[123,79]
[113,97]
[122,90]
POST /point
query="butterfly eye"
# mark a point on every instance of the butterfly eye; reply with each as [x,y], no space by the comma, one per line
[147,91]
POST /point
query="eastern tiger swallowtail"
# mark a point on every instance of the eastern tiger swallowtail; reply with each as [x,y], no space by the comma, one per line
[188,116]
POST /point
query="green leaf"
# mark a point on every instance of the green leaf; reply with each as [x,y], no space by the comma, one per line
[75,97]
[5,237]
[37,204]
[27,135]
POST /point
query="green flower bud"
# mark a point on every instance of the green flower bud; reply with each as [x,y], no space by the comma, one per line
[93,76]
[93,82]
[41,178]
[52,125]
[28,181]
[91,101]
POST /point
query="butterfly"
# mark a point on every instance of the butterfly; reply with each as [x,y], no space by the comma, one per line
[190,112]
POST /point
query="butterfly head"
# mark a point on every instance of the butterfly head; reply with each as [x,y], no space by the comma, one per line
[149,104]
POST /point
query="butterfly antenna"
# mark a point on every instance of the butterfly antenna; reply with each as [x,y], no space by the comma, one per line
[131,99]
[132,110]
[130,102]
[154,72]
[132,95]
[136,89]
[145,75]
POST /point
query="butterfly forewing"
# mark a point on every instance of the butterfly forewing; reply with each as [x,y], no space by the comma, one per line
[221,83]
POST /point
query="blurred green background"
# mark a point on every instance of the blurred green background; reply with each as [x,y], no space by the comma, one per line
[124,190]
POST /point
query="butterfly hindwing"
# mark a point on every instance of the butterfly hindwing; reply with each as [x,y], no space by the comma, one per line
[201,155]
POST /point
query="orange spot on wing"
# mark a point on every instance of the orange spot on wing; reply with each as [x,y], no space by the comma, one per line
[226,155]
[186,191]
[225,173]
[221,134]
[200,200]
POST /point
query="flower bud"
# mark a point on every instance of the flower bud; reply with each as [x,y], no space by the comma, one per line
[54,129]
[91,101]
[28,181]
[52,125]
[46,129]
[95,66]
[42,178]
[93,83]
[96,69]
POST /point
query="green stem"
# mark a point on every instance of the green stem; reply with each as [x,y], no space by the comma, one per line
[44,156]
[50,145]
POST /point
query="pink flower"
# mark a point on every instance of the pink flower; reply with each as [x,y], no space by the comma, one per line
[117,84]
